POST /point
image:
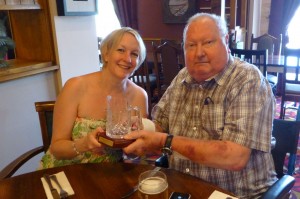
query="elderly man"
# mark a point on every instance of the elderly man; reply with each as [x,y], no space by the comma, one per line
[217,115]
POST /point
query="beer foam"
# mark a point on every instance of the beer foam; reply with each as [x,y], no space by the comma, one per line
[153,185]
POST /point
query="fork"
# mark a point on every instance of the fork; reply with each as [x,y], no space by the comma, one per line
[62,192]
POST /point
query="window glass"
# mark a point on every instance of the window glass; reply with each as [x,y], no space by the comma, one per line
[106,20]
[294,31]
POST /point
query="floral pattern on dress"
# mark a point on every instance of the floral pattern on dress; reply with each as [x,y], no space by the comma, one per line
[82,127]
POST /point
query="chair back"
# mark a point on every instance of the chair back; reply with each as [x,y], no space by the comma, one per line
[290,78]
[281,189]
[147,81]
[267,41]
[167,64]
[45,112]
[256,57]
[286,133]
[149,43]
[291,62]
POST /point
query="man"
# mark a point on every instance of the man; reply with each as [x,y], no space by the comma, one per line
[218,114]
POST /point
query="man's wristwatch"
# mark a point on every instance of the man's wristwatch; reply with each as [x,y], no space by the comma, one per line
[167,149]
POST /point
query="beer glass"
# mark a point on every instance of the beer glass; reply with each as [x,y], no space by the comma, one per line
[153,185]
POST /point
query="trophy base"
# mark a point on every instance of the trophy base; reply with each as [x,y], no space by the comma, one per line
[113,142]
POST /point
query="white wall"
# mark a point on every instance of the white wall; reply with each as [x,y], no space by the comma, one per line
[265,15]
[77,45]
[20,129]
[260,18]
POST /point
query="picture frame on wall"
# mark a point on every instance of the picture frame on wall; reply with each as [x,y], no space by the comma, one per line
[178,11]
[77,7]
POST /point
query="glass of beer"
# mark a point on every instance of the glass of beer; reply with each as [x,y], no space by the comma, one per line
[153,184]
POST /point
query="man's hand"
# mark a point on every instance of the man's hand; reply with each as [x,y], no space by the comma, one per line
[145,142]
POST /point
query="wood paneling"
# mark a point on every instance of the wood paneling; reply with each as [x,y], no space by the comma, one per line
[34,46]
[32,43]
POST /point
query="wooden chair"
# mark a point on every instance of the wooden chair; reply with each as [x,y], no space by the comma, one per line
[286,133]
[281,189]
[45,112]
[267,41]
[290,80]
[149,43]
[258,58]
[145,80]
[167,63]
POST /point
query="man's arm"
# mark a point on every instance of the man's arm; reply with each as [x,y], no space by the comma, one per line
[213,153]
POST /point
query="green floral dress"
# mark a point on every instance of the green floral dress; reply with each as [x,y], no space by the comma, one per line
[82,127]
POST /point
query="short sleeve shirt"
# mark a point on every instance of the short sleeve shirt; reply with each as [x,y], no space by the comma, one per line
[236,105]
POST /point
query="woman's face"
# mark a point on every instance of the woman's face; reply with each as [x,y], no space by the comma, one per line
[122,60]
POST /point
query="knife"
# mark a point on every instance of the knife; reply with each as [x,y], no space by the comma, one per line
[135,188]
[54,192]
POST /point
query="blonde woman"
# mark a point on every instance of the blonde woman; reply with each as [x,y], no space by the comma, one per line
[80,109]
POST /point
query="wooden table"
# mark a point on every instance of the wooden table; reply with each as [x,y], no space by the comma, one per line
[104,180]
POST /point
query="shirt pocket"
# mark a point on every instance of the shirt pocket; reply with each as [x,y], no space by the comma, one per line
[213,120]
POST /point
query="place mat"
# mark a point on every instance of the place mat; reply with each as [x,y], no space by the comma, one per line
[219,195]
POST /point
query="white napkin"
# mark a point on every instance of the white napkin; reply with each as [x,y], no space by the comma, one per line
[148,124]
[63,180]
[219,195]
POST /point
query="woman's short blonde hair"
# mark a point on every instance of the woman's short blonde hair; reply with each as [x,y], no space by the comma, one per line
[112,40]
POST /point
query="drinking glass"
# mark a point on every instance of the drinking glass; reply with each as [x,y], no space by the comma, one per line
[121,118]
[153,185]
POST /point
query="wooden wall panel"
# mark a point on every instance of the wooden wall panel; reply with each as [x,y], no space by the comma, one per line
[31,31]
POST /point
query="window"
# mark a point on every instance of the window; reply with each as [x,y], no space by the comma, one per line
[294,31]
[106,20]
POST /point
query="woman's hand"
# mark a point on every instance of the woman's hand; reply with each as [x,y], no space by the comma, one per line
[90,142]
[146,142]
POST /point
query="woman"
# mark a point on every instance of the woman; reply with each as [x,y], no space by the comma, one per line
[80,109]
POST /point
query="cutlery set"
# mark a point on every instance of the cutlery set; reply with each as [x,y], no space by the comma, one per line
[62,193]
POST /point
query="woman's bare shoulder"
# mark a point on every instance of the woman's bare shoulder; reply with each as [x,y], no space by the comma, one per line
[136,88]
[138,97]
[137,94]
[81,81]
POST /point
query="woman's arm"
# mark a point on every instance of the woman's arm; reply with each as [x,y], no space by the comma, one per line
[65,113]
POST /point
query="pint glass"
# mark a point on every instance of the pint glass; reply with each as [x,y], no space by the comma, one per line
[153,185]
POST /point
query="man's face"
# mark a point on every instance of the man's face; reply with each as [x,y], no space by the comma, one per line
[206,51]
